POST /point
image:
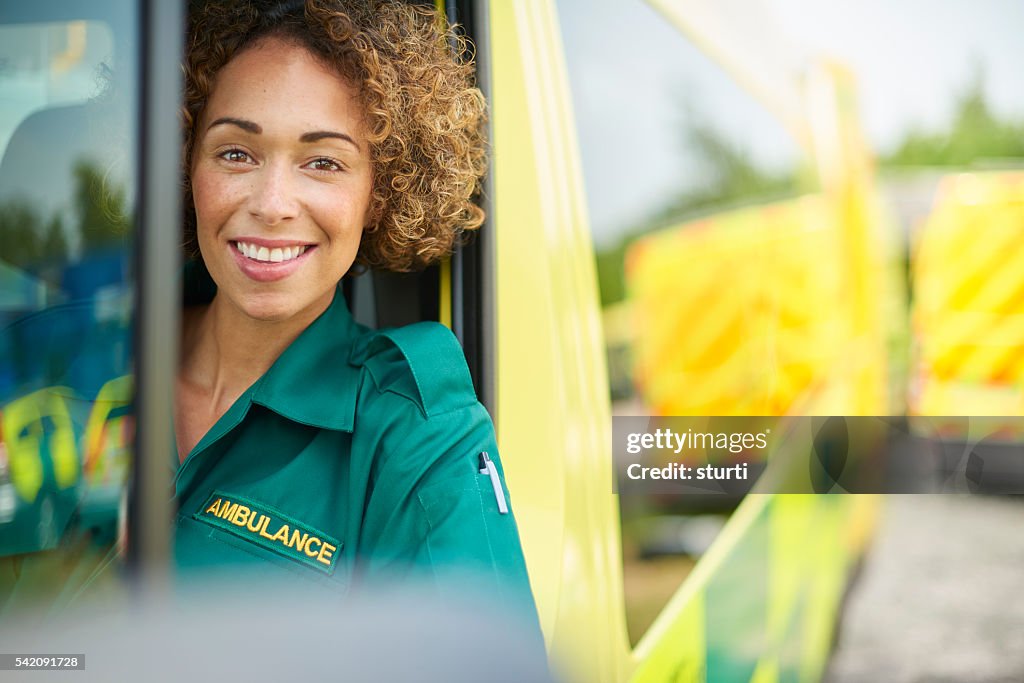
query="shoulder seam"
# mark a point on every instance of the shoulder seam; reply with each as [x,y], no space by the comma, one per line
[435,362]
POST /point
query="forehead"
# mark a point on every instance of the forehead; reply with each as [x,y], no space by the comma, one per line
[281,86]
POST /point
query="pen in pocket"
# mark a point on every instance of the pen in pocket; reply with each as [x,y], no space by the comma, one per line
[487,467]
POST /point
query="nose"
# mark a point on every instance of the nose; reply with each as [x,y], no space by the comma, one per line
[274,200]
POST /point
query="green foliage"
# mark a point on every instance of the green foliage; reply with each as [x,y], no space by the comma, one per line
[975,134]
[54,244]
[733,180]
[611,278]
[31,242]
[100,207]
[27,239]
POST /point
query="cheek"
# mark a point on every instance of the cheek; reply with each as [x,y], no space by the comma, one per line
[215,198]
[342,214]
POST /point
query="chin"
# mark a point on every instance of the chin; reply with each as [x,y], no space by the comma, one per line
[270,309]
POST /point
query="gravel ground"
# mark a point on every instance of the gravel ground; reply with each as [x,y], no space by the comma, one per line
[941,598]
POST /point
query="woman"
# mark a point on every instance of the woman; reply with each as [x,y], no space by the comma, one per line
[320,136]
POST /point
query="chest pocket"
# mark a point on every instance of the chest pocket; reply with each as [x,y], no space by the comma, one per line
[268,533]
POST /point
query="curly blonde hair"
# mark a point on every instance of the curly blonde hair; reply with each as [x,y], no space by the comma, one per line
[425,119]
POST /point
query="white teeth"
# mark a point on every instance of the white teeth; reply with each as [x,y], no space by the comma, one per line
[275,255]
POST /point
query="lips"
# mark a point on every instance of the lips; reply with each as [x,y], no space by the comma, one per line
[269,260]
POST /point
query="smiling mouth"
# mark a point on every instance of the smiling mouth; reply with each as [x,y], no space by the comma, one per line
[255,252]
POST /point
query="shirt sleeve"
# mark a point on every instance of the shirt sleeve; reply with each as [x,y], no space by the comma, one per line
[440,508]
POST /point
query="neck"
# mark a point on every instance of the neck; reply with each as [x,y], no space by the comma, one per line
[224,351]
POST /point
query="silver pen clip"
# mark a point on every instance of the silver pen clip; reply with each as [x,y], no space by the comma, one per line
[487,467]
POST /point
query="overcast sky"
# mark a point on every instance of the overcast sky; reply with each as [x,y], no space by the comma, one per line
[634,78]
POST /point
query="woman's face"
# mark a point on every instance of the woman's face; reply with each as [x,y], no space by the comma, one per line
[281,179]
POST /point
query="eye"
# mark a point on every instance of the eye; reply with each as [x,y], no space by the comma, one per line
[236,156]
[325,164]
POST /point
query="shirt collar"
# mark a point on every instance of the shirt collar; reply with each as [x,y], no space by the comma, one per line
[313,381]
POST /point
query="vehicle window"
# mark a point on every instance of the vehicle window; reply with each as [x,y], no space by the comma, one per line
[721,199]
[674,150]
[67,202]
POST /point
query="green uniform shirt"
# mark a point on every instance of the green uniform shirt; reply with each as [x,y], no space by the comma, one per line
[359,453]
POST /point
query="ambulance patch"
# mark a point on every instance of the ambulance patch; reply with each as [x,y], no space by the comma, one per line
[273,530]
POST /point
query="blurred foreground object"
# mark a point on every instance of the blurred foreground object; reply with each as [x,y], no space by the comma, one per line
[262,632]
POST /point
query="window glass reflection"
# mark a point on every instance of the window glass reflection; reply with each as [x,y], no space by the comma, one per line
[67,197]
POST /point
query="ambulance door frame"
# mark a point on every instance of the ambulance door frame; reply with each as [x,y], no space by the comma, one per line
[161,32]
[473,265]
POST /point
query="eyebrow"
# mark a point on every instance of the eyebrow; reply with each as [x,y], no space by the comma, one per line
[321,134]
[255,129]
[247,126]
